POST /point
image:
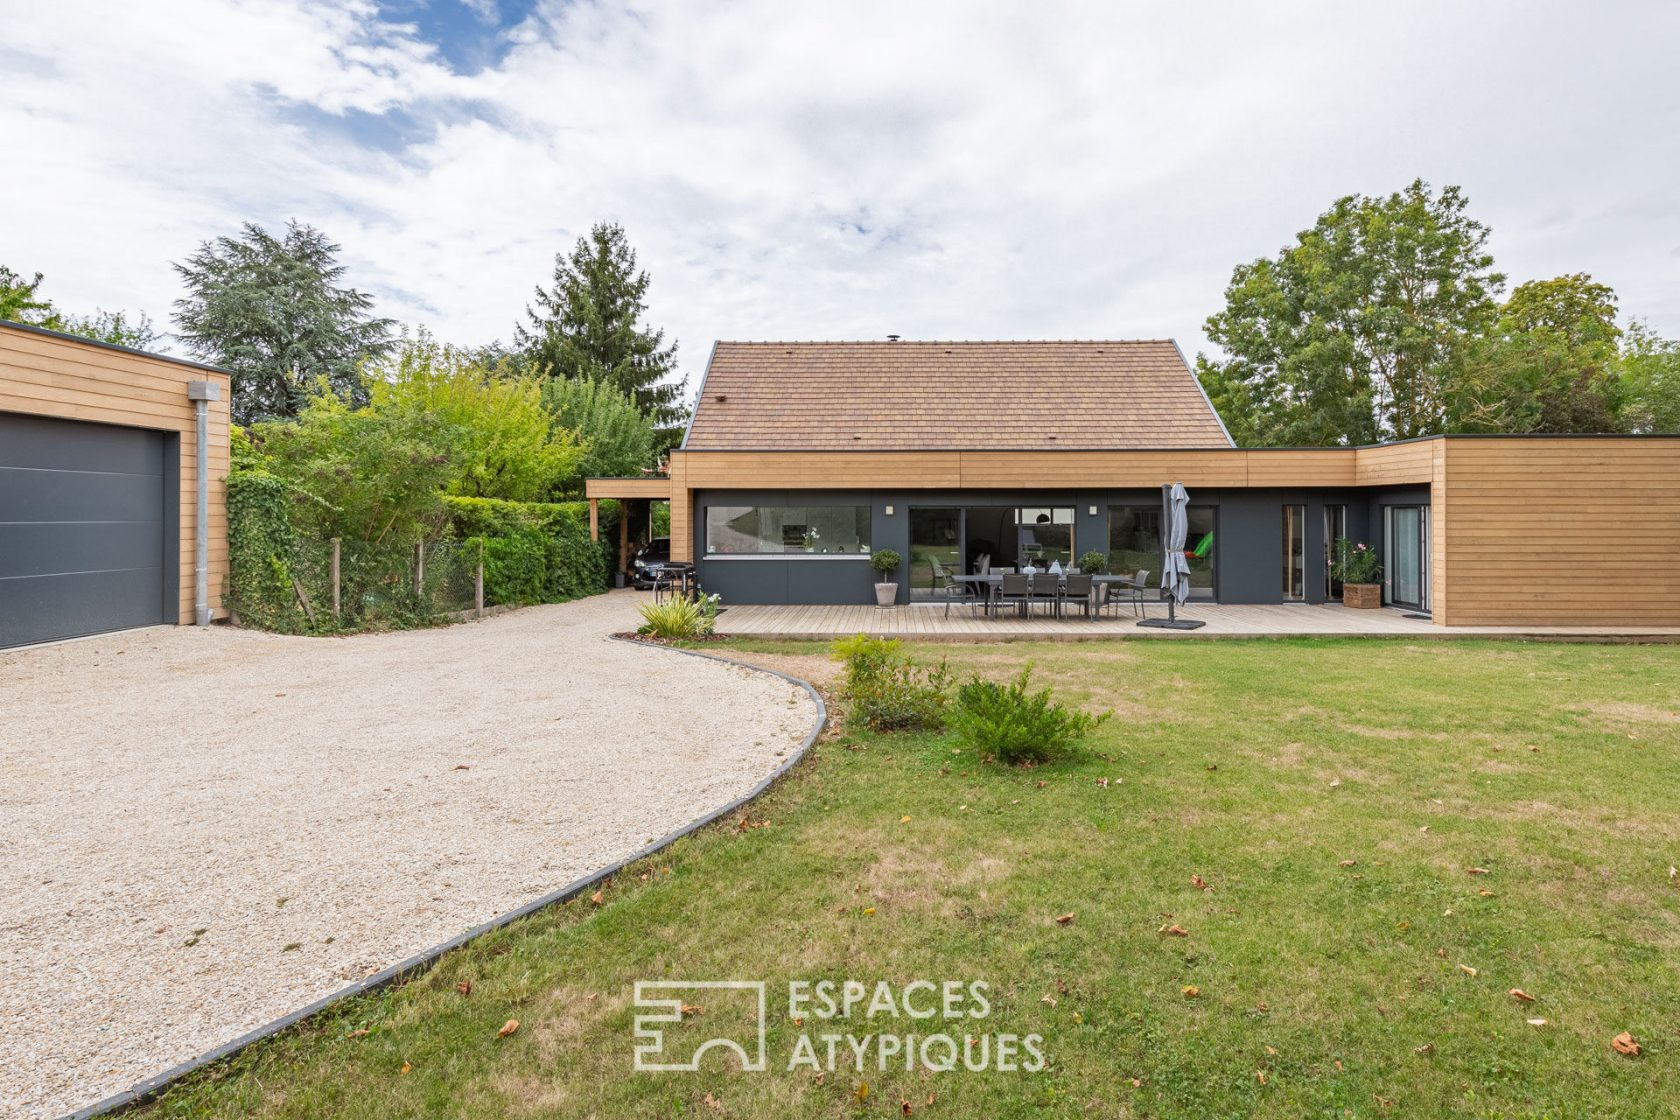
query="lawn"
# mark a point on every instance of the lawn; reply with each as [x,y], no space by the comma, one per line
[1341,960]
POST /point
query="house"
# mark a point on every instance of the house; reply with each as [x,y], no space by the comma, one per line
[803,458]
[101,484]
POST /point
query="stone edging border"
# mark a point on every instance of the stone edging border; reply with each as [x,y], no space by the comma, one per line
[152,1086]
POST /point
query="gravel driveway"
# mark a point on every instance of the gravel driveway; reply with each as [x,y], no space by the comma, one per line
[202,831]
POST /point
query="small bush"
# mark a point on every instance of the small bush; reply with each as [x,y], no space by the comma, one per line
[1094,562]
[889,693]
[679,619]
[1014,725]
[886,562]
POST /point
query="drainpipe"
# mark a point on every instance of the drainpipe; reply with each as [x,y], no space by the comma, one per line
[201,393]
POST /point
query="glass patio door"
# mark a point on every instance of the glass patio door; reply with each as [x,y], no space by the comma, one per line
[1335,529]
[1406,563]
[935,549]
[1294,553]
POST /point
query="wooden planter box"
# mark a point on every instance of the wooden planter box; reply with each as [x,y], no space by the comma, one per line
[1363,596]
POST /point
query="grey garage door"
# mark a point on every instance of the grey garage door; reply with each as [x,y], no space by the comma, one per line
[82,545]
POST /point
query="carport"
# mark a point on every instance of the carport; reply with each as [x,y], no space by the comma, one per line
[100,491]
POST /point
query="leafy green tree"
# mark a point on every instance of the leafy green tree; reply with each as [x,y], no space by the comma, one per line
[21,302]
[1649,370]
[507,447]
[1359,331]
[269,310]
[1548,365]
[589,325]
[620,441]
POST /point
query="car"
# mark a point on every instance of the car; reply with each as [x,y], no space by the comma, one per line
[648,559]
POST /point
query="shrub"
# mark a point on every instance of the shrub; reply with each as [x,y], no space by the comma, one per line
[261,550]
[1356,563]
[885,562]
[679,619]
[889,693]
[534,552]
[1014,725]
[1094,562]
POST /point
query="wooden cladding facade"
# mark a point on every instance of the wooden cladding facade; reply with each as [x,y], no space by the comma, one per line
[1558,531]
[1542,531]
[45,374]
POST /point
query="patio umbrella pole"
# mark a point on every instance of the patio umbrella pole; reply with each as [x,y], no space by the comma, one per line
[1175,572]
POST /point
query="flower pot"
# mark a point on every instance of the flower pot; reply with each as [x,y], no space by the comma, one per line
[1362,596]
[886,594]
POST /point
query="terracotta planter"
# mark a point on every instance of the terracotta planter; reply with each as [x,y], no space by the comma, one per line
[886,594]
[1362,596]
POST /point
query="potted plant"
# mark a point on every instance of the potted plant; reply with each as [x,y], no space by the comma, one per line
[1360,570]
[885,562]
[1094,562]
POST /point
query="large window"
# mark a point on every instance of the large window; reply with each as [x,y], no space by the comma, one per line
[1135,544]
[787,530]
[935,548]
[1335,529]
[1044,536]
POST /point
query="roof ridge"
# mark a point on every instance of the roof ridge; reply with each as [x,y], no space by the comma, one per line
[938,341]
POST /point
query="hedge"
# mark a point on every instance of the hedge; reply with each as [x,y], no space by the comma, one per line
[534,552]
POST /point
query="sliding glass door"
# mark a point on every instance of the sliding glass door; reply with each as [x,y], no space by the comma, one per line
[1294,553]
[1406,556]
[1335,529]
[935,548]
[1136,543]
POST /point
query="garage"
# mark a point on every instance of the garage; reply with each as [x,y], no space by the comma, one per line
[99,485]
[82,528]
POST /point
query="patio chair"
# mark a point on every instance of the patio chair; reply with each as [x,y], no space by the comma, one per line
[1013,590]
[947,586]
[1135,586]
[1046,589]
[1077,590]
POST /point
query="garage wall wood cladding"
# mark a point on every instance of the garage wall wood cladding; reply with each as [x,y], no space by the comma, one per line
[1562,532]
[49,375]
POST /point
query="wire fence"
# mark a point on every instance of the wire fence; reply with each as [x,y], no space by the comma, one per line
[354,585]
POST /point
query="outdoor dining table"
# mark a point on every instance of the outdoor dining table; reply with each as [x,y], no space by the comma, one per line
[991,581]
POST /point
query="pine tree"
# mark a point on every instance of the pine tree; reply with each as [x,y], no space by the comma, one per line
[589,326]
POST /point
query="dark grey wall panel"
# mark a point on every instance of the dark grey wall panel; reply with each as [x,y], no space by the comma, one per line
[84,528]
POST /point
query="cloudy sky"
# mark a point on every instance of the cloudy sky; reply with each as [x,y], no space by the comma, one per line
[840,170]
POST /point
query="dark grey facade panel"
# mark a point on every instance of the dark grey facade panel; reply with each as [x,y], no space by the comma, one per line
[1248,535]
[86,528]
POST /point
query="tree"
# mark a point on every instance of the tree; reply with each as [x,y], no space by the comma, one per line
[21,302]
[620,441]
[269,310]
[589,326]
[506,447]
[1649,369]
[1357,332]
[1548,365]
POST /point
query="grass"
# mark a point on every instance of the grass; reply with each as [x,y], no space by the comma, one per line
[1331,793]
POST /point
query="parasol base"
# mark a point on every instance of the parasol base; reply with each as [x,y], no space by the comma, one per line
[1172,623]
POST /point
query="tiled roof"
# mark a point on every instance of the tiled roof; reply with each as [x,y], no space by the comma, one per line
[786,396]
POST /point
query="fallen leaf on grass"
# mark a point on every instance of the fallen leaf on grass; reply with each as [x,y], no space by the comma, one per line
[1064,919]
[1624,1044]
[1484,892]
[904,1108]
[406,1068]
[904,819]
[1674,875]
[1426,1048]
[1260,1076]
[1136,1084]
[1476,871]
[1199,883]
[1047,998]
[1192,992]
[1442,953]
[1348,863]
[1335,782]
[596,897]
[863,1091]
[464,987]
[868,911]
[1521,996]
[1271,1051]
[713,1103]
[1467,970]
[362,1033]
[1174,930]
[508,1028]
[1537,1022]
[690,1009]
[1425,828]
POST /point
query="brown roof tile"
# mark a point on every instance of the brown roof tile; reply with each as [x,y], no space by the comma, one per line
[785,396]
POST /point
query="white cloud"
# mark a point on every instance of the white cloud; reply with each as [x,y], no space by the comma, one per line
[950,170]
